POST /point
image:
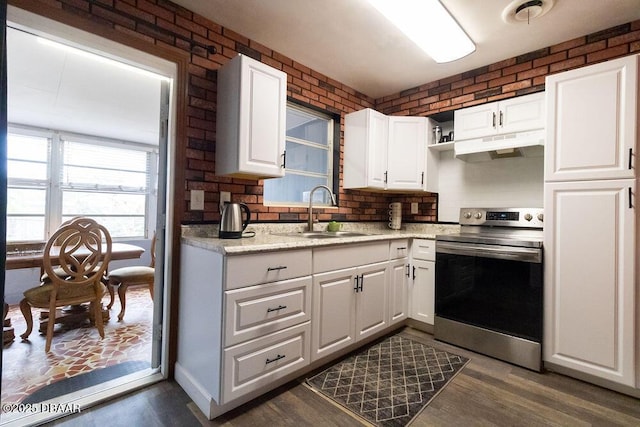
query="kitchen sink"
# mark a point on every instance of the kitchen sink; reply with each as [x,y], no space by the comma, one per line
[323,234]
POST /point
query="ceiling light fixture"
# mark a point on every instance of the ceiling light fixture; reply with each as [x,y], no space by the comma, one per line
[429,25]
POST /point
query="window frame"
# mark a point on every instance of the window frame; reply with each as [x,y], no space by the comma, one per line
[333,153]
[55,188]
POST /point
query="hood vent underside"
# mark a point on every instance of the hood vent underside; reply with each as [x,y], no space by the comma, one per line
[522,144]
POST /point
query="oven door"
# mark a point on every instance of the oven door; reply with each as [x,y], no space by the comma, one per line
[493,287]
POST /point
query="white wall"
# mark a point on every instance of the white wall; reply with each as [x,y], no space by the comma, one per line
[514,182]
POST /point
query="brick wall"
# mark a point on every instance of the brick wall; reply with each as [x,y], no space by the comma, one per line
[512,77]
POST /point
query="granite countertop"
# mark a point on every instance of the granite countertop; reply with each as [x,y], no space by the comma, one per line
[268,237]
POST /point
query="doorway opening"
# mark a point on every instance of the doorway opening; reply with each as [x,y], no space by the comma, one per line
[78,107]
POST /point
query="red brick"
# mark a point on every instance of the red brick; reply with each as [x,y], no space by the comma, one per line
[625,38]
[608,54]
[535,72]
[502,81]
[155,10]
[462,83]
[568,45]
[283,59]
[591,47]
[475,88]
[515,86]
[514,69]
[488,76]
[502,64]
[560,56]
[566,65]
[191,26]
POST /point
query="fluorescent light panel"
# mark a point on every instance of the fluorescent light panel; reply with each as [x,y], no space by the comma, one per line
[429,25]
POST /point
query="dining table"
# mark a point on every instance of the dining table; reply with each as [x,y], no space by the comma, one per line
[32,256]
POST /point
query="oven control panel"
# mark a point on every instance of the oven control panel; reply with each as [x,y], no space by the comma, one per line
[503,217]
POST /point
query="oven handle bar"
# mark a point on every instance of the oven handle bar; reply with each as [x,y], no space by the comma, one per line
[510,253]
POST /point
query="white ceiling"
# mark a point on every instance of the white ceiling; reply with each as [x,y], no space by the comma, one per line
[346,40]
[52,88]
[349,41]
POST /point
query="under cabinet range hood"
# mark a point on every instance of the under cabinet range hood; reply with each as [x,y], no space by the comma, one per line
[519,144]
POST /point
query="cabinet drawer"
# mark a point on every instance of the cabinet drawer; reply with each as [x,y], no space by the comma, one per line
[254,364]
[423,249]
[339,257]
[255,311]
[253,269]
[398,248]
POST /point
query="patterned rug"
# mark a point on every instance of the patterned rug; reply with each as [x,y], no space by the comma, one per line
[389,383]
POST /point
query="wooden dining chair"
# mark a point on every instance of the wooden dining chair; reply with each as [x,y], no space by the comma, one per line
[84,253]
[124,277]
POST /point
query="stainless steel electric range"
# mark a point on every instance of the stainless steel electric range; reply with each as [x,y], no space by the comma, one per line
[489,279]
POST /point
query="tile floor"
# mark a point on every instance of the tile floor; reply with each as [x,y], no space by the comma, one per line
[26,367]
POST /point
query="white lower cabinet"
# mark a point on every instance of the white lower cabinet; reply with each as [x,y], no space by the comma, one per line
[422,280]
[252,365]
[348,305]
[398,280]
[249,323]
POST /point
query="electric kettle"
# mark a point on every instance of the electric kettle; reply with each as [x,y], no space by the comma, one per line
[231,223]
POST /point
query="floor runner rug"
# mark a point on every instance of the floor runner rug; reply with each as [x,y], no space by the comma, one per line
[82,381]
[390,382]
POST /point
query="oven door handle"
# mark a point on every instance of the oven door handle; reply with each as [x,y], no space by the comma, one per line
[532,255]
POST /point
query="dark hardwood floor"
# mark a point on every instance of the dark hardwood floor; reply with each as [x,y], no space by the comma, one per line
[486,393]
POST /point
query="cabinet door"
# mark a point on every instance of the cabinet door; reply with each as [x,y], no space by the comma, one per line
[422,290]
[365,149]
[590,257]
[521,113]
[592,122]
[251,119]
[475,122]
[377,150]
[371,300]
[262,119]
[406,165]
[398,290]
[333,315]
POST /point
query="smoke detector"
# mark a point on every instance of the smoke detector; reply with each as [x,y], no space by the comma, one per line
[525,11]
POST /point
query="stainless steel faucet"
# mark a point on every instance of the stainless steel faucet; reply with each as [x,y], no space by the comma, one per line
[333,203]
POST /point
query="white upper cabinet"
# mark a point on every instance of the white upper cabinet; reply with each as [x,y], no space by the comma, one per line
[406,164]
[387,152]
[592,122]
[365,149]
[251,119]
[511,115]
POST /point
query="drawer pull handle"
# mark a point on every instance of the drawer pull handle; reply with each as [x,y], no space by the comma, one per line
[280,267]
[278,308]
[275,359]
[402,248]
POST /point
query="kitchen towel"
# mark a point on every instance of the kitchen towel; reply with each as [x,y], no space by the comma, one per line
[391,382]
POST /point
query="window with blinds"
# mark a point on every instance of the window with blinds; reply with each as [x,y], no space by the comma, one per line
[309,159]
[58,177]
